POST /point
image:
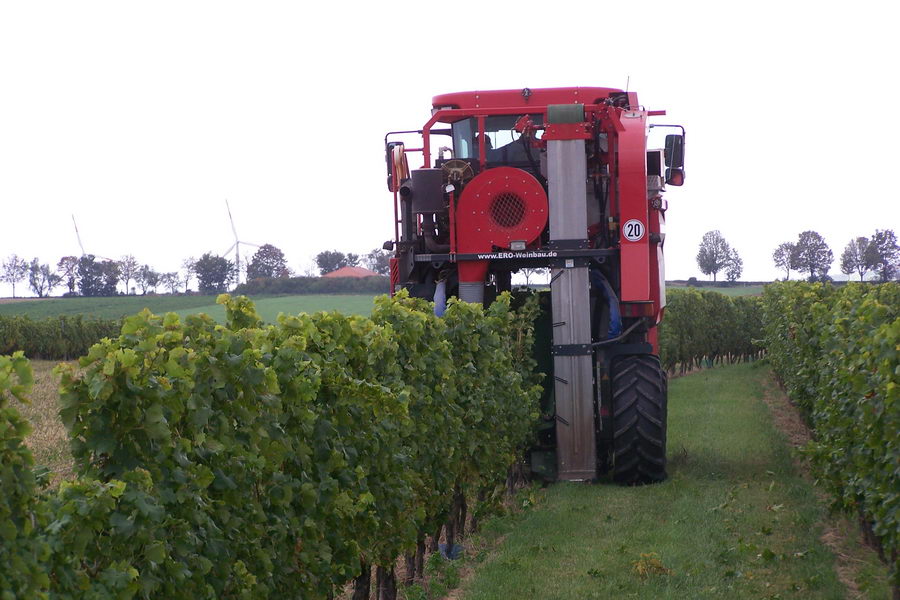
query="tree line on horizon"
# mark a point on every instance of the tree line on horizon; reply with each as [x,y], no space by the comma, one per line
[810,254]
[88,276]
[93,277]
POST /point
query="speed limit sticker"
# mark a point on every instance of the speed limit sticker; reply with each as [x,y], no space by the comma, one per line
[633,230]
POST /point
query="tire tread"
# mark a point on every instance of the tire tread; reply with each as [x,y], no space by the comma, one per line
[639,420]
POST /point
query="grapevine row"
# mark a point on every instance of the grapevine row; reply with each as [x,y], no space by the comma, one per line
[253,461]
[54,338]
[837,351]
[703,328]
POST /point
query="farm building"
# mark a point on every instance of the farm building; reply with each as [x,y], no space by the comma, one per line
[356,272]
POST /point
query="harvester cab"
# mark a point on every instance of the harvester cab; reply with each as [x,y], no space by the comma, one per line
[562,179]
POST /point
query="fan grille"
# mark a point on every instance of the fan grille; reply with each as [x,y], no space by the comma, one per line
[507,210]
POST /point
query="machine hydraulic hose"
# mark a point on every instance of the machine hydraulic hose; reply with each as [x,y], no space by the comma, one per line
[612,301]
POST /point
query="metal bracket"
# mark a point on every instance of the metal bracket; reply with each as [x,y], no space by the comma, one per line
[571,350]
[567,131]
[570,263]
[569,244]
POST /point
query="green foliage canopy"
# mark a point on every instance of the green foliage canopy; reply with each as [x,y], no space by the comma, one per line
[837,352]
[246,461]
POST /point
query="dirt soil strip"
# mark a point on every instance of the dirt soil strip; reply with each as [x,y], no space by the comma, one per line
[789,422]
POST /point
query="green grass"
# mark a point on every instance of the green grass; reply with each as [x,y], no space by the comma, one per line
[269,307]
[749,290]
[115,307]
[734,520]
[105,308]
[738,290]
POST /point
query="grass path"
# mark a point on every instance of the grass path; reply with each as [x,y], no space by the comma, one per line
[735,520]
[48,440]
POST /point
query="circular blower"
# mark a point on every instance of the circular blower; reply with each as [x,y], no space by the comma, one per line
[499,206]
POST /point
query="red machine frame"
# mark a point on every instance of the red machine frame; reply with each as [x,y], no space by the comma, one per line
[625,124]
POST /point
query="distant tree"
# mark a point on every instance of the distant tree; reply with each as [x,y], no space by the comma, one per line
[812,255]
[67,267]
[310,269]
[94,277]
[110,273]
[128,268]
[214,273]
[352,260]
[532,272]
[782,256]
[146,278]
[41,279]
[735,266]
[330,260]
[188,268]
[853,258]
[14,270]
[378,260]
[883,254]
[268,261]
[170,280]
[714,253]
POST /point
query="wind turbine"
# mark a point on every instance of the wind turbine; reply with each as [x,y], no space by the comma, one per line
[78,235]
[236,246]
[80,245]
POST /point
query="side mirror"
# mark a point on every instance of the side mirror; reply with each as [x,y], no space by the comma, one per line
[674,151]
[674,176]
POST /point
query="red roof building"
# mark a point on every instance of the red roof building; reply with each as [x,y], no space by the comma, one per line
[356,272]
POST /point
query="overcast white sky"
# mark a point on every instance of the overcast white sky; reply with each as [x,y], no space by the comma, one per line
[141,118]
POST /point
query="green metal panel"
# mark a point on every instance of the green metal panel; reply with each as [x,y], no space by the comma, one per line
[565,113]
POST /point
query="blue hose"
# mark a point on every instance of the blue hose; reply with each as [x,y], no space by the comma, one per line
[440,298]
[615,317]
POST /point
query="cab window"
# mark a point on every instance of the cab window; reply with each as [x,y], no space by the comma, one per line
[500,134]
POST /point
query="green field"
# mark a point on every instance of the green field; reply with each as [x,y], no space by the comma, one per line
[268,306]
[734,520]
[738,290]
[749,290]
[113,308]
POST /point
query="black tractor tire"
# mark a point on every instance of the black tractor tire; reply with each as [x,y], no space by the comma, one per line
[639,390]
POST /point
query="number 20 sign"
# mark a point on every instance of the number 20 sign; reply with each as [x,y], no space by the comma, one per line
[633,230]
